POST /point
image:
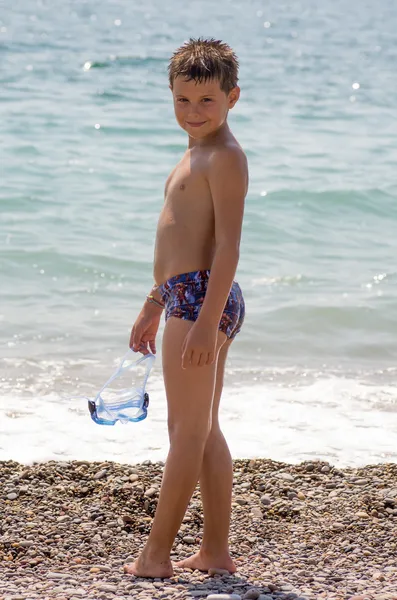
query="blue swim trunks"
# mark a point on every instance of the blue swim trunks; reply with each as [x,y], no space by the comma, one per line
[183,296]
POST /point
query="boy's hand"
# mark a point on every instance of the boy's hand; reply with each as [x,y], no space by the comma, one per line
[199,346]
[145,329]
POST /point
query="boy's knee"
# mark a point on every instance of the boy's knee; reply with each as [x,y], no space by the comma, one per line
[189,434]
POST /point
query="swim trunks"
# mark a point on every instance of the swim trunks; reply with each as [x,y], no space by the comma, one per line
[183,296]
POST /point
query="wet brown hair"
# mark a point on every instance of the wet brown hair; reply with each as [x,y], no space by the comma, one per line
[203,60]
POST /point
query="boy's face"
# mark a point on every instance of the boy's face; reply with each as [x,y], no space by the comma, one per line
[201,108]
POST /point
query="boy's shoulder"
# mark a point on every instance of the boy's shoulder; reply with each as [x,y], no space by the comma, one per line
[227,157]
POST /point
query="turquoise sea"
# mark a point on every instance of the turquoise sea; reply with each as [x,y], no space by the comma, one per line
[87,139]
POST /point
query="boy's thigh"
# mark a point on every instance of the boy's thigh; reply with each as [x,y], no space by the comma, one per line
[220,374]
[189,391]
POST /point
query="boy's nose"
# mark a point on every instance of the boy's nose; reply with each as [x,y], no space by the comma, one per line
[194,110]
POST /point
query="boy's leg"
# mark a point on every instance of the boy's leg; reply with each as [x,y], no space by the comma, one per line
[216,482]
[189,397]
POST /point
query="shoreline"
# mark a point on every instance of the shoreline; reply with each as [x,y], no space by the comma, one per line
[307,530]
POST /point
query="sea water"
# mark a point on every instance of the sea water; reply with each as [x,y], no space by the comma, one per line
[87,139]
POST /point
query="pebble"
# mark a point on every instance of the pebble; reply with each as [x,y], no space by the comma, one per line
[57,576]
[251,594]
[12,496]
[60,543]
[224,597]
[265,500]
[286,477]
[188,539]
[241,501]
[26,544]
[213,572]
[106,587]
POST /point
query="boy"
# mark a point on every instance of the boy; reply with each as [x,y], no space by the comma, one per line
[196,256]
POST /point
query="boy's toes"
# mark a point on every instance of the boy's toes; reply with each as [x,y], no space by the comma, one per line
[145,568]
[205,563]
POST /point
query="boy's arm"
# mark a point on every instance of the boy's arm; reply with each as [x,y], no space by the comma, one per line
[228,179]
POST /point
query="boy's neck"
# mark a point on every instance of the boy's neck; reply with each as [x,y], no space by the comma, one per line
[217,135]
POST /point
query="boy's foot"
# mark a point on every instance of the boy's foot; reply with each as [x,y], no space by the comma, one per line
[143,567]
[204,562]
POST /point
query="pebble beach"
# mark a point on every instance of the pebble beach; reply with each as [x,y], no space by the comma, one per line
[303,531]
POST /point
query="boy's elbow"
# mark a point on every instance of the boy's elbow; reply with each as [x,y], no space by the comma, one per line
[230,248]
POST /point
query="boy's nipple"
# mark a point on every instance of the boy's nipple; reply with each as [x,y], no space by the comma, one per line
[182,186]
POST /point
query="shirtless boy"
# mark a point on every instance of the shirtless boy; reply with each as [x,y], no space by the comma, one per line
[196,256]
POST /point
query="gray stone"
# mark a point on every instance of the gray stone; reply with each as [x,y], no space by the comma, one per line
[214,571]
[145,585]
[286,587]
[265,500]
[101,474]
[252,594]
[150,492]
[12,496]
[241,501]
[103,568]
[26,544]
[188,539]
[285,476]
[224,597]
[106,587]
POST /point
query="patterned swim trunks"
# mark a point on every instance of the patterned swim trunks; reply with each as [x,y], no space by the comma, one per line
[183,296]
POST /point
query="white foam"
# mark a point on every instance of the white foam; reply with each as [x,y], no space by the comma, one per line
[341,420]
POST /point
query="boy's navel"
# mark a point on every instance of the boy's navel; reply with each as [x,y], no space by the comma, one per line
[182,186]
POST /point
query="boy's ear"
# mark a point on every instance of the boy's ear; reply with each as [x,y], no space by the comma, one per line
[234,95]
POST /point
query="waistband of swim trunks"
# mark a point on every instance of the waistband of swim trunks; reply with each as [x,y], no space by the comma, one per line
[191,277]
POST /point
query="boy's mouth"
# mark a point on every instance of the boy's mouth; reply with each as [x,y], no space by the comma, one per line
[195,124]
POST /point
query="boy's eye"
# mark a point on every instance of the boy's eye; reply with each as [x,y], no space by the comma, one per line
[186,100]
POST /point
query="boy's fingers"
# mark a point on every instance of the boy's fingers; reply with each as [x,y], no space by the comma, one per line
[210,358]
[202,360]
[143,347]
[132,337]
[136,340]
[185,359]
[152,345]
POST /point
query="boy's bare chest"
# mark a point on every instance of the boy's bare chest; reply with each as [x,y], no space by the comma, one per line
[187,190]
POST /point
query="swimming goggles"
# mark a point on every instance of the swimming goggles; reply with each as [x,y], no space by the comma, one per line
[123,397]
